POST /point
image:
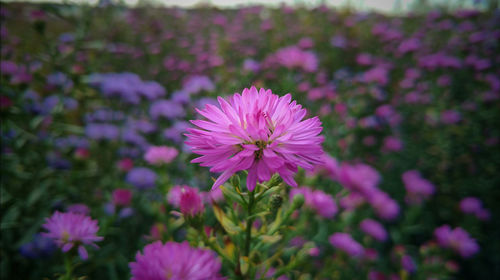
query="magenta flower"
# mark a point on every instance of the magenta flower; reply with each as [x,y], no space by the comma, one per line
[344,242]
[72,230]
[294,57]
[191,202]
[457,239]
[256,131]
[160,154]
[317,200]
[374,229]
[122,197]
[417,188]
[360,177]
[385,207]
[473,205]
[175,261]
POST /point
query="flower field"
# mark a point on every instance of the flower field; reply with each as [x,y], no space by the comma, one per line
[251,143]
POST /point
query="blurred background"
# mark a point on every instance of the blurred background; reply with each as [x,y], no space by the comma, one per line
[408,93]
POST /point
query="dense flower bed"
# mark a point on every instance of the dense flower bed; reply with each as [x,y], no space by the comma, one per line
[249,143]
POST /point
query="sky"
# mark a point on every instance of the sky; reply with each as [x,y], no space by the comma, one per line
[377,5]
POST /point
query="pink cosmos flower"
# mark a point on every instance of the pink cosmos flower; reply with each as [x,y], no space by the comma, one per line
[160,154]
[72,229]
[174,260]
[256,131]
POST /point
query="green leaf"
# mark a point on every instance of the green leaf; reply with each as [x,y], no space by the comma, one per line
[270,239]
[232,195]
[226,223]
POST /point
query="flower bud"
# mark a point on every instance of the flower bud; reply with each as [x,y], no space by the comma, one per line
[191,202]
[276,202]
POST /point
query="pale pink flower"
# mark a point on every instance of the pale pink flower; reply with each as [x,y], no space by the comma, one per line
[160,154]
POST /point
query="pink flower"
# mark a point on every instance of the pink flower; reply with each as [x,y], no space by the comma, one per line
[385,207]
[417,188]
[330,166]
[125,164]
[457,239]
[377,74]
[256,131]
[359,177]
[374,229]
[191,202]
[122,197]
[72,229]
[317,200]
[472,205]
[79,208]
[160,154]
[174,195]
[392,143]
[450,117]
[344,242]
[294,57]
[175,261]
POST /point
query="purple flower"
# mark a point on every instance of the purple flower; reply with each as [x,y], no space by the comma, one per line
[39,247]
[175,132]
[256,131]
[175,261]
[167,109]
[72,229]
[473,205]
[344,242]
[385,207]
[196,84]
[374,229]
[141,178]
[457,239]
[450,117]
[102,131]
[361,178]
[60,80]
[79,208]
[378,75]
[392,143]
[408,264]
[417,188]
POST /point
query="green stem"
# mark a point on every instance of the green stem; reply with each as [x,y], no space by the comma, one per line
[68,266]
[249,223]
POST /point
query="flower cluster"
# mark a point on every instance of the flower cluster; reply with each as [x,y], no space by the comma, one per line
[457,239]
